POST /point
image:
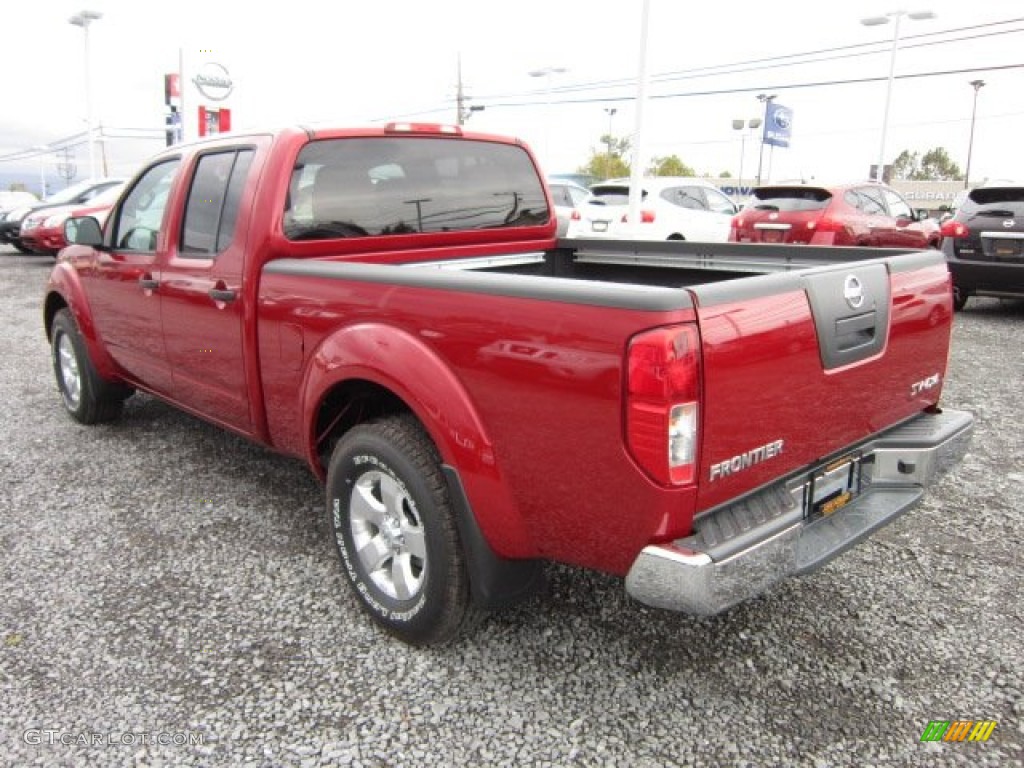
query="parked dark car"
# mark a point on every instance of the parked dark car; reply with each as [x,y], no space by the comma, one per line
[984,244]
[859,214]
[83,192]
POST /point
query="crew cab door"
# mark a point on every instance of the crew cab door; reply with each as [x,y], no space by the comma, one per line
[122,279]
[201,296]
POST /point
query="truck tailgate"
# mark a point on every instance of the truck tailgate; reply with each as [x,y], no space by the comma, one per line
[799,366]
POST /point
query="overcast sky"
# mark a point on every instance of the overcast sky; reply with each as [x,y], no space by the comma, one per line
[351,63]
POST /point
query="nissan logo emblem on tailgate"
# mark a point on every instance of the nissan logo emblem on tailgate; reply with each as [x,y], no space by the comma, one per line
[853,292]
[1009,223]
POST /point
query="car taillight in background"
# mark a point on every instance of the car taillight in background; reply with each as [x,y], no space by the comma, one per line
[825,224]
[646,217]
[954,229]
[663,393]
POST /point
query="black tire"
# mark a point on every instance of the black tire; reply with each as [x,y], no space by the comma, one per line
[395,531]
[21,246]
[88,398]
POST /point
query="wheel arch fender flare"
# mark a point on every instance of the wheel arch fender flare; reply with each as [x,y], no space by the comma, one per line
[64,289]
[405,365]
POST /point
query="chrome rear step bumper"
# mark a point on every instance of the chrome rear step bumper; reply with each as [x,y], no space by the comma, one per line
[742,550]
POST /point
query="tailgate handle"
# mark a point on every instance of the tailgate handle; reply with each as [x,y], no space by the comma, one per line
[852,332]
[222,294]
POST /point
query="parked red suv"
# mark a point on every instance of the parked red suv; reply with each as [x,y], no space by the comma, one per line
[861,214]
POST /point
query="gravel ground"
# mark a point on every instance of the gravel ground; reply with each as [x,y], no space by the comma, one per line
[170,597]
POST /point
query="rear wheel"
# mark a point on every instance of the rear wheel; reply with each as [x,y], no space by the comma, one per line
[87,398]
[21,246]
[395,532]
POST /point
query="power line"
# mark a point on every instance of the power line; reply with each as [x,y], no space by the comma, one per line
[786,59]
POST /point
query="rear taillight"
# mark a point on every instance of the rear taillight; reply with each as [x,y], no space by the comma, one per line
[575,215]
[646,217]
[953,228]
[825,224]
[663,393]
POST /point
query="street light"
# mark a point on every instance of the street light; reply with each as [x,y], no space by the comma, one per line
[546,73]
[976,84]
[608,158]
[42,149]
[766,99]
[83,19]
[752,123]
[875,21]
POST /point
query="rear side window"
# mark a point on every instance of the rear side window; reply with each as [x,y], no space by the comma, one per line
[686,197]
[390,186]
[791,199]
[560,194]
[213,202]
[871,201]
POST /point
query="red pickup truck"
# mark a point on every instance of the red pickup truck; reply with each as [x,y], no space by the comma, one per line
[392,306]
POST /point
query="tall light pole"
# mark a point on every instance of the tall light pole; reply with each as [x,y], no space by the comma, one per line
[43,150]
[977,85]
[546,73]
[766,99]
[83,19]
[608,158]
[739,125]
[875,21]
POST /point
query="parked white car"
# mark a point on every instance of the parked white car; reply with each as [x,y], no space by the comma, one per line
[672,208]
[568,197]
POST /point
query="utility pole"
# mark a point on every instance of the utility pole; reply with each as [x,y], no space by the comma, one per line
[66,167]
[462,112]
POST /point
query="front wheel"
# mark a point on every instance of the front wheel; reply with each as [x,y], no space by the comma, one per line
[88,399]
[395,531]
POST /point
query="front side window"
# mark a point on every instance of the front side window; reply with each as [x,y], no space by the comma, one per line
[213,202]
[898,207]
[141,213]
[387,186]
[719,203]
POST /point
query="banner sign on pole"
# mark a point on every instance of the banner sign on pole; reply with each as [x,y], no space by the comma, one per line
[777,125]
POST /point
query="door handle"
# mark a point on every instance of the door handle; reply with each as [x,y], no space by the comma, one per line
[222,294]
[148,283]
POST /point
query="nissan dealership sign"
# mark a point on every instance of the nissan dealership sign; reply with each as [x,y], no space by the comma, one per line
[213,81]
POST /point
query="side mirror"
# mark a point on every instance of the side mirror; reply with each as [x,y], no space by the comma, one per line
[83,230]
[922,214]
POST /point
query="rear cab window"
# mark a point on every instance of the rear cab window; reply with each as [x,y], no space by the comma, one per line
[366,187]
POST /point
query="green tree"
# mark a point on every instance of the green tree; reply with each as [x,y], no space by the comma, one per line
[936,165]
[933,165]
[725,175]
[610,163]
[670,166]
[904,166]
